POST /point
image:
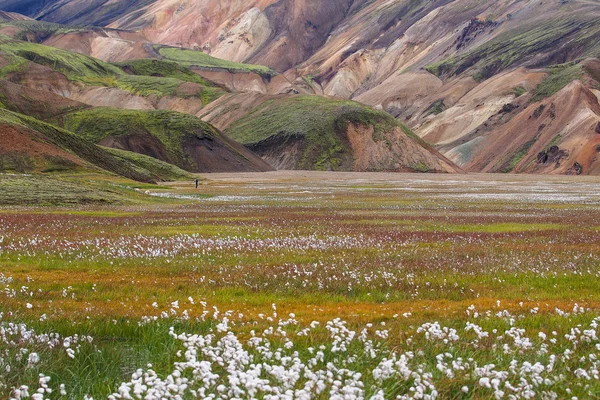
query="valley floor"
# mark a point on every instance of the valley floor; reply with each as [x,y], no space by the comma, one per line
[305,285]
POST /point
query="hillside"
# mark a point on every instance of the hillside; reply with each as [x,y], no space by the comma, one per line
[317,133]
[179,139]
[29,145]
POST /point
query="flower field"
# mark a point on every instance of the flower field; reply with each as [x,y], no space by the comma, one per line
[307,285]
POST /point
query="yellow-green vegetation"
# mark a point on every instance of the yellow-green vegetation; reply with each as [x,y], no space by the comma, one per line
[172,130]
[82,148]
[436,108]
[506,166]
[307,272]
[67,190]
[162,69]
[74,66]
[147,85]
[149,77]
[192,58]
[519,91]
[319,122]
[164,78]
[150,85]
[38,30]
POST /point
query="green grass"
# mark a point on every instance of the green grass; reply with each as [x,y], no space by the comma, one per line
[149,77]
[161,169]
[318,121]
[74,66]
[436,108]
[519,91]
[515,158]
[163,78]
[38,30]
[147,85]
[64,190]
[192,58]
[162,69]
[150,85]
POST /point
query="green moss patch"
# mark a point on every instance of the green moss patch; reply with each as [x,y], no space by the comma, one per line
[199,59]
[74,66]
[559,76]
[523,46]
[166,171]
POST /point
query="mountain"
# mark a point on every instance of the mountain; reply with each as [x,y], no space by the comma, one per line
[154,104]
[458,73]
[77,12]
[10,16]
[45,83]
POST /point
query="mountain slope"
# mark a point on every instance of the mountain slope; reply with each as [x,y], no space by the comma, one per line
[29,145]
[317,133]
[77,12]
[175,138]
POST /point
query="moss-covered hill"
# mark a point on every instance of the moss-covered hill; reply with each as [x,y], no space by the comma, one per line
[29,145]
[172,137]
[319,133]
[140,77]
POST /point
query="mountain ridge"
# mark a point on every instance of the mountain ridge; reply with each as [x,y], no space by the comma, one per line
[448,69]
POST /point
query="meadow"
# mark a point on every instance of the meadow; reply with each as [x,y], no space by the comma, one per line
[306,285]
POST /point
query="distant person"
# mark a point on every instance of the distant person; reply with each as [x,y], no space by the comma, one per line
[196,181]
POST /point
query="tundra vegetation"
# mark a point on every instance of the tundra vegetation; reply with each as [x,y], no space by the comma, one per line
[307,285]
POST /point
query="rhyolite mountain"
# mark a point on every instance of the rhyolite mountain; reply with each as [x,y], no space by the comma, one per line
[502,86]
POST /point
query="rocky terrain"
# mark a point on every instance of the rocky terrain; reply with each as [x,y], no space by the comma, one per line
[464,75]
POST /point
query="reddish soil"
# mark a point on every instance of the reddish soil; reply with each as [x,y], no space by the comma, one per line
[24,142]
[40,104]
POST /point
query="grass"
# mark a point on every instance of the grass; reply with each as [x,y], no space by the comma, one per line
[147,85]
[38,30]
[319,122]
[163,170]
[367,249]
[192,58]
[163,78]
[519,91]
[74,66]
[162,69]
[51,190]
[436,108]
[149,77]
[515,158]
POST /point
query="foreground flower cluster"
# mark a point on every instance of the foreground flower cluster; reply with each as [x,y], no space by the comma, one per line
[348,364]
[490,356]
